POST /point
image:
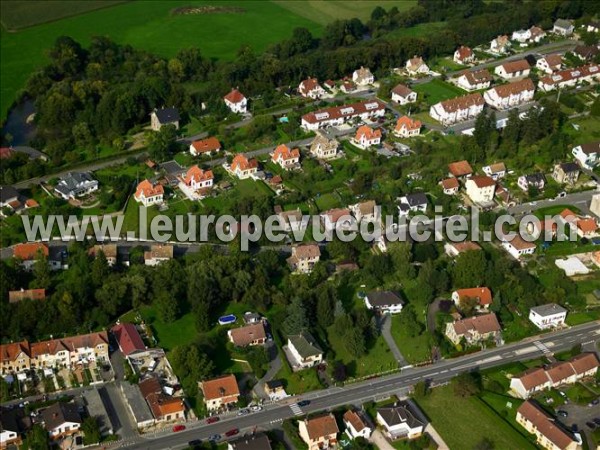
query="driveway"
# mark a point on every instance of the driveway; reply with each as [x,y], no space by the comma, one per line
[380,441]
[385,324]
[274,366]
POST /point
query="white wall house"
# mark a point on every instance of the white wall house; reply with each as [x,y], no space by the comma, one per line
[401,421]
[481,189]
[403,95]
[519,247]
[510,95]
[386,302]
[76,184]
[570,77]
[475,80]
[356,426]
[548,316]
[236,102]
[363,77]
[339,115]
[513,69]
[463,55]
[563,27]
[587,155]
[149,194]
[416,66]
[310,88]
[501,44]
[412,203]
[457,109]
[549,63]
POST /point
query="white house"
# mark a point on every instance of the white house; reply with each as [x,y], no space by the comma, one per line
[236,102]
[463,55]
[500,44]
[366,137]
[474,80]
[548,434]
[337,217]
[549,63]
[548,316]
[319,432]
[416,66]
[363,77]
[407,127]
[303,351]
[148,193]
[323,148]
[457,109]
[310,88]
[536,180]
[402,420]
[285,157]
[197,179]
[481,188]
[386,302]
[243,167]
[536,34]
[450,186]
[339,115]
[495,171]
[356,425]
[563,27]
[518,247]
[511,94]
[513,69]
[412,203]
[304,257]
[205,146]
[403,95]
[521,36]
[570,77]
[587,155]
[158,254]
[76,184]
[61,419]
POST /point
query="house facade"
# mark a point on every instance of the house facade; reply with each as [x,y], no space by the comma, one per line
[304,257]
[401,421]
[474,80]
[513,69]
[339,115]
[323,148]
[250,335]
[356,425]
[148,193]
[158,254]
[403,95]
[500,44]
[164,116]
[221,392]
[519,247]
[61,420]
[76,184]
[457,109]
[547,433]
[473,330]
[236,102]
[412,203]
[450,186]
[510,95]
[566,173]
[587,155]
[495,171]
[563,27]
[482,295]
[407,127]
[481,188]
[363,77]
[310,88]
[570,77]
[319,432]
[285,157]
[366,137]
[463,55]
[536,180]
[304,352]
[549,64]
[385,302]
[206,146]
[548,316]
[416,66]
[243,167]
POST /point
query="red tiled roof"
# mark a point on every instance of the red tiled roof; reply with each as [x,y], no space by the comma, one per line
[516,66]
[319,427]
[31,203]
[355,420]
[516,87]
[571,74]
[244,336]
[128,338]
[464,52]
[521,244]
[29,250]
[308,85]
[33,294]
[148,189]
[460,168]
[10,352]
[477,76]
[450,183]
[484,324]
[337,213]
[483,294]
[465,246]
[545,425]
[206,145]
[283,151]
[584,362]
[234,96]
[587,226]
[531,378]
[243,163]
[306,251]
[402,90]
[197,175]
[336,112]
[482,181]
[463,102]
[408,123]
[368,132]
[225,386]
[5,152]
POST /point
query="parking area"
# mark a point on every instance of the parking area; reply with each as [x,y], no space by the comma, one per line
[583,417]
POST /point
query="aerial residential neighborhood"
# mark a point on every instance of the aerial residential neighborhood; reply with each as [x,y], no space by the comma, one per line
[300,225]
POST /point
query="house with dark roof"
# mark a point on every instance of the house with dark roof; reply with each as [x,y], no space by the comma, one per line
[416,202]
[8,195]
[402,95]
[61,419]
[302,351]
[563,27]
[402,420]
[547,316]
[566,173]
[164,116]
[76,184]
[386,302]
[14,423]
[258,441]
[536,180]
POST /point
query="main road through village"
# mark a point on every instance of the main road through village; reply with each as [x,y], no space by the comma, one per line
[373,389]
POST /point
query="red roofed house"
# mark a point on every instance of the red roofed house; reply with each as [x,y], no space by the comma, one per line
[473,329]
[29,252]
[149,194]
[14,357]
[463,55]
[457,109]
[453,249]
[519,247]
[460,169]
[197,179]
[330,218]
[416,66]
[407,127]
[356,425]
[285,157]
[164,408]
[205,146]
[220,392]
[549,64]
[128,338]
[450,186]
[253,334]
[511,94]
[366,137]
[32,294]
[243,167]
[587,227]
[474,80]
[304,257]
[482,294]
[319,432]
[548,434]
[481,188]
[236,102]
[402,95]
[569,77]
[311,88]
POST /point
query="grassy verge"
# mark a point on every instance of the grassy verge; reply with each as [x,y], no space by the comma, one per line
[415,349]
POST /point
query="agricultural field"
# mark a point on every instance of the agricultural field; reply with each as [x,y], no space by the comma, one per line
[324,12]
[151,26]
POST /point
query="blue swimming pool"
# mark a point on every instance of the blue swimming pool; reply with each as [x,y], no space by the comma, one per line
[226,320]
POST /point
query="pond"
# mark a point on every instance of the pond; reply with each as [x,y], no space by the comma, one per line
[17,124]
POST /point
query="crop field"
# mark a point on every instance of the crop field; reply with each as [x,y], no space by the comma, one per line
[151,26]
[324,12]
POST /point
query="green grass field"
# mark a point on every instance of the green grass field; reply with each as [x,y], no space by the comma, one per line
[437,90]
[324,12]
[420,30]
[148,26]
[415,349]
[455,418]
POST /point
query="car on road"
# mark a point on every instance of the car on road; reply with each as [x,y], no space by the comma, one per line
[597,421]
[255,408]
[212,419]
[232,432]
[591,425]
[177,428]
[594,402]
[302,403]
[195,443]
[214,438]
[243,412]
[562,413]
[562,194]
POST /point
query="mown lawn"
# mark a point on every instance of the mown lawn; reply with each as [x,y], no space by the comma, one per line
[149,26]
[465,422]
[327,201]
[415,349]
[298,382]
[437,90]
[170,335]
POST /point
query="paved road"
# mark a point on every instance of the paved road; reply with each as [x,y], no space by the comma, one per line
[386,331]
[374,389]
[580,199]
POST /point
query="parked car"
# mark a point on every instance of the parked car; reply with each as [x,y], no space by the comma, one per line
[212,419]
[214,438]
[177,428]
[591,425]
[597,421]
[303,403]
[562,413]
[195,443]
[255,408]
[595,402]
[232,432]
[243,412]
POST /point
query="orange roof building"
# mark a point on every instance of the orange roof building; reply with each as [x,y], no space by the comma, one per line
[149,194]
[30,251]
[285,157]
[367,136]
[32,294]
[407,127]
[205,146]
[460,169]
[243,167]
[220,392]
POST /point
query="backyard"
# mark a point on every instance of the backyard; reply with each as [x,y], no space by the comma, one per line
[436,91]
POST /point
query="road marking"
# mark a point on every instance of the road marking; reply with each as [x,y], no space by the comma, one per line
[542,347]
[296,410]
